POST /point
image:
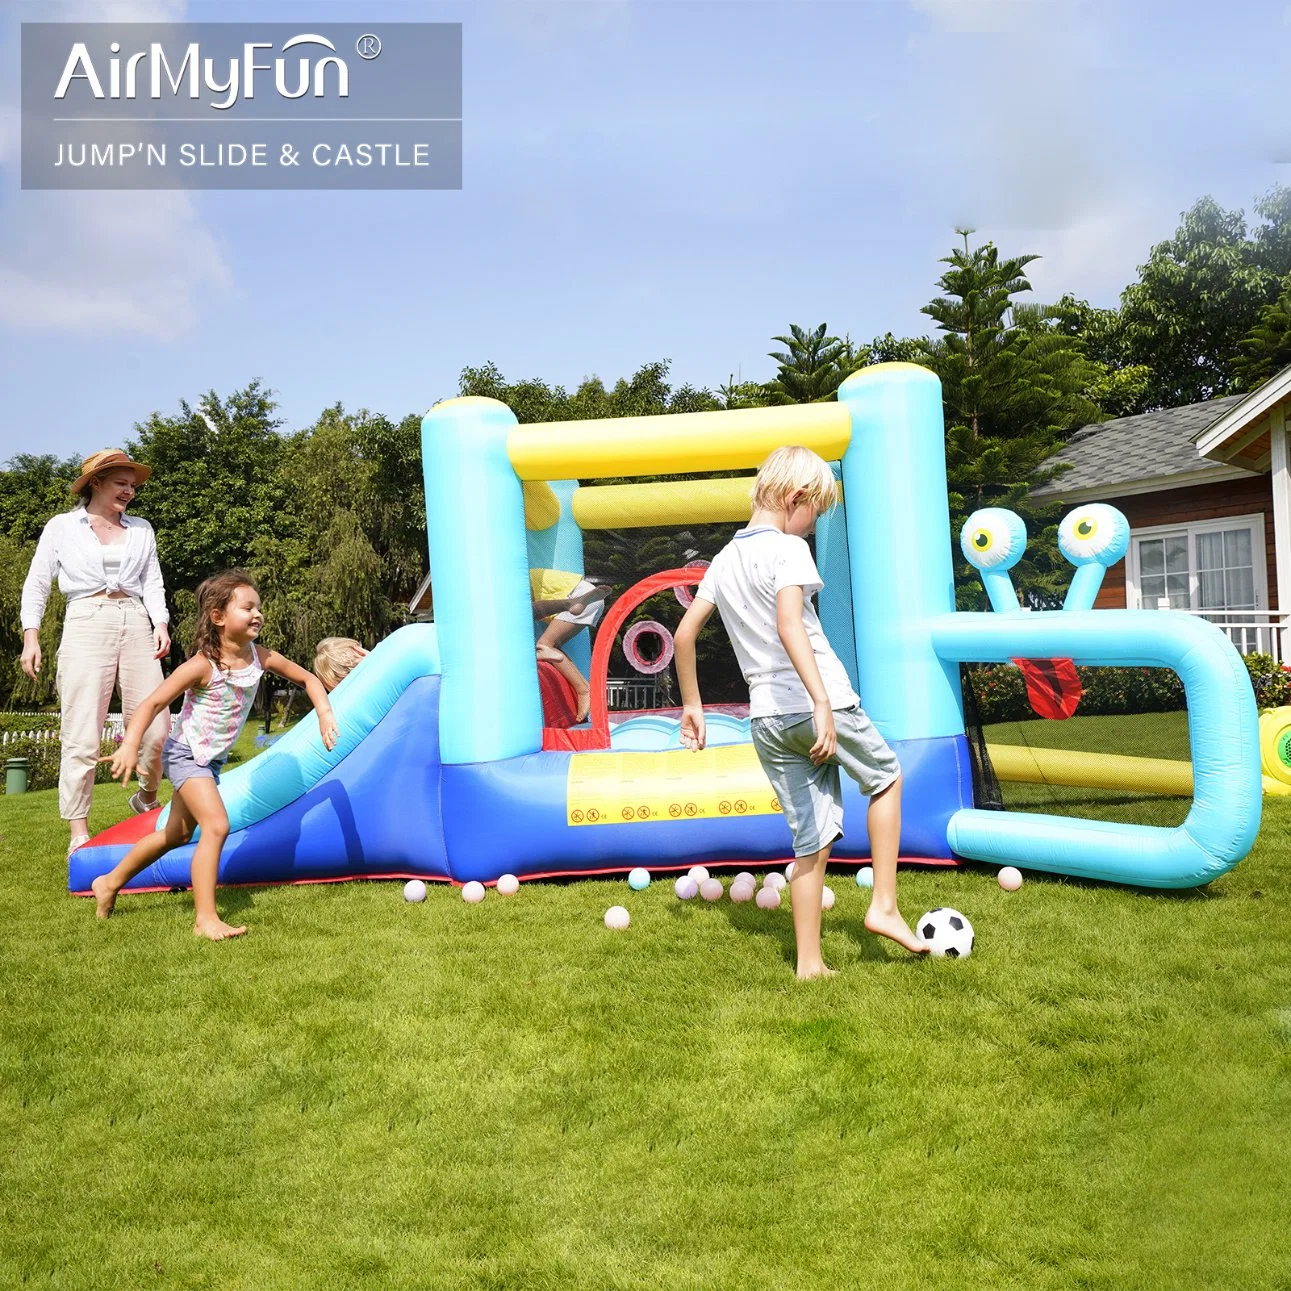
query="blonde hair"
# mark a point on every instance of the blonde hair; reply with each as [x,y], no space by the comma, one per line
[334,658]
[794,469]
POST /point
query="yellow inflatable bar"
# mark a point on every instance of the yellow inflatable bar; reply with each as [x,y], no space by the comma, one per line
[1102,770]
[677,443]
[678,502]
[1091,770]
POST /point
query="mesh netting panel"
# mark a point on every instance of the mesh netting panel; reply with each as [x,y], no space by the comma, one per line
[1124,755]
[986,788]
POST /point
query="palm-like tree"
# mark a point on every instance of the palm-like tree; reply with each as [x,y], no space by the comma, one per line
[813,367]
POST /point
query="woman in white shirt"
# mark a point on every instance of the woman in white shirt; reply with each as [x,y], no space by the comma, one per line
[115,631]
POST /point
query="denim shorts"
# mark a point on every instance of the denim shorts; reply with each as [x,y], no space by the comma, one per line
[178,764]
[811,795]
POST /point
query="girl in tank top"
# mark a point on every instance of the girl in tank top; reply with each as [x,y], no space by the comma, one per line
[219,687]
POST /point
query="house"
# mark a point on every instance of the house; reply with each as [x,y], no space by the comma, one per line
[1207,491]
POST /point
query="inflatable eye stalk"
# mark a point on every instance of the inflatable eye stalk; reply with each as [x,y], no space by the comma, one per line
[993,541]
[1094,533]
[993,538]
[1092,537]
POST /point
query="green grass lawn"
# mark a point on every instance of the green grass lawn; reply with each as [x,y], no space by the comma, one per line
[363,1092]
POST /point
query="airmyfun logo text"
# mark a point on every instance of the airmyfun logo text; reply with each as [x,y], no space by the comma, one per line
[241,105]
[234,80]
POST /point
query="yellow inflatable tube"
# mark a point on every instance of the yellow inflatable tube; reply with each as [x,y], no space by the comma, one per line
[676,443]
[1112,770]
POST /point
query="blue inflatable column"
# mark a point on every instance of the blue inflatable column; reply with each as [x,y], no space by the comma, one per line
[489,702]
[898,531]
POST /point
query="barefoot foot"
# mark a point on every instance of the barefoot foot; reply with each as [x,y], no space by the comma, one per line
[896,929]
[213,928]
[809,973]
[104,898]
[584,707]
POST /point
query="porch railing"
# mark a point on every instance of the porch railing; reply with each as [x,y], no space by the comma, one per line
[1254,631]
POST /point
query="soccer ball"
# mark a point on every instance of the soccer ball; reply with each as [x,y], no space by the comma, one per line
[947,933]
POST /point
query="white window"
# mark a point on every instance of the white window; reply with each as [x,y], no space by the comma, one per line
[1214,568]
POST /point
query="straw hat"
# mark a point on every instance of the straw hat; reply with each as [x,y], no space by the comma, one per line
[108,459]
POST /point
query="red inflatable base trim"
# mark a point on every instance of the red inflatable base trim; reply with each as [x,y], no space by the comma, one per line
[941,861]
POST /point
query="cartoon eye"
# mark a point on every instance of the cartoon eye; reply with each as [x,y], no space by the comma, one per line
[993,538]
[1094,534]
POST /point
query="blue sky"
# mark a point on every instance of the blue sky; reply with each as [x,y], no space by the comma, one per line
[642,181]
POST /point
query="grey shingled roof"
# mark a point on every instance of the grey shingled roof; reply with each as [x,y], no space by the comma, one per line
[1150,446]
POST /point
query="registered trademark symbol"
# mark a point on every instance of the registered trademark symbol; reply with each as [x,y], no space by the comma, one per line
[368,45]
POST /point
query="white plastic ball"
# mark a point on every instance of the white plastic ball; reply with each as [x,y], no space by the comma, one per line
[747,876]
[768,898]
[617,918]
[775,880]
[698,873]
[639,879]
[946,932]
[508,885]
[1010,878]
[865,877]
[414,890]
[473,892]
[711,889]
[788,871]
[741,891]
[685,887]
[827,899]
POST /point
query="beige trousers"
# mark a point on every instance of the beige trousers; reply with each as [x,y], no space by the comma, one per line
[105,642]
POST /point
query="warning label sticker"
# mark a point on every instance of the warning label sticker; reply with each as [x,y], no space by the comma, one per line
[626,788]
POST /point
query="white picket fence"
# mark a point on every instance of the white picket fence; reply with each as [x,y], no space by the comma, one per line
[112,728]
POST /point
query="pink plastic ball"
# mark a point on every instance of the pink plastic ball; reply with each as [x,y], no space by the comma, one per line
[827,899]
[685,887]
[747,876]
[775,881]
[473,892]
[741,891]
[788,871]
[697,872]
[768,898]
[1010,878]
[617,918]
[711,889]
[508,885]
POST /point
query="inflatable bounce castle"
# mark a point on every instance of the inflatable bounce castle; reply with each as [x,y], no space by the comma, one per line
[444,769]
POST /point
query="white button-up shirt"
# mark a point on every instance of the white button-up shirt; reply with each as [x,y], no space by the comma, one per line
[69,549]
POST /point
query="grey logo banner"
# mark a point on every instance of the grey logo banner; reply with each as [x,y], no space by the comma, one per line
[308,105]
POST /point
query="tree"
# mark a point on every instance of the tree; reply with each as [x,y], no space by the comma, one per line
[1266,348]
[1200,293]
[1012,388]
[215,487]
[1120,385]
[813,367]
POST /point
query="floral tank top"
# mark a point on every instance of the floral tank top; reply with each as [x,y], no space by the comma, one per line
[213,717]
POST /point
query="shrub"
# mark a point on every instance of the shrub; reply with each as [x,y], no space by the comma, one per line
[43,757]
[1270,679]
[1001,692]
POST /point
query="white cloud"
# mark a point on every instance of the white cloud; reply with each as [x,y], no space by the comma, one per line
[981,15]
[549,21]
[99,262]
[107,262]
[1096,253]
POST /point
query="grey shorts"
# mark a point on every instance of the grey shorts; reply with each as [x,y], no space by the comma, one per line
[178,764]
[811,796]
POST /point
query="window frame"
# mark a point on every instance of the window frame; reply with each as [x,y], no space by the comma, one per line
[1254,520]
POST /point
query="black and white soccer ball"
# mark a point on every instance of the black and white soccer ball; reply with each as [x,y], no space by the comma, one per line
[946,932]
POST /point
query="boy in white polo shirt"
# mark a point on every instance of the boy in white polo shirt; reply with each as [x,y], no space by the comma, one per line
[805,718]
